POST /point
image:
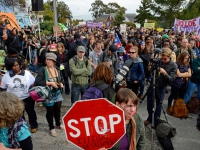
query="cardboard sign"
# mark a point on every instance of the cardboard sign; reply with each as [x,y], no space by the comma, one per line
[149,25]
[94,124]
[57,30]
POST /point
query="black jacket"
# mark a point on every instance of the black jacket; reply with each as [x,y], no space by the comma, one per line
[73,46]
[42,56]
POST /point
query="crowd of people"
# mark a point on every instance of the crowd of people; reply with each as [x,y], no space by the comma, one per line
[90,57]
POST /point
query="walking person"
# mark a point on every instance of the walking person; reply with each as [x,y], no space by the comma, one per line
[52,77]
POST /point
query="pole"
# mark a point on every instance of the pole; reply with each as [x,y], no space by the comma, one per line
[55,13]
[37,13]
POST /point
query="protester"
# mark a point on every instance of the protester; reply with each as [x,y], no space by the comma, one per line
[52,77]
[63,65]
[134,137]
[194,80]
[110,57]
[179,85]
[80,69]
[14,132]
[18,81]
[194,48]
[41,53]
[103,75]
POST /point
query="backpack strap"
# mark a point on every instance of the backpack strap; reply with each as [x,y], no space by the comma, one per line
[75,61]
[101,86]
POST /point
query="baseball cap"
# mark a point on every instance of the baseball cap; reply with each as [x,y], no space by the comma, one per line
[113,48]
[51,56]
[121,49]
[81,49]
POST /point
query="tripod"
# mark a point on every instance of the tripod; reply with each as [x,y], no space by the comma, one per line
[155,91]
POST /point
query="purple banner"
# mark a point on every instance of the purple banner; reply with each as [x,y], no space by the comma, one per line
[94,24]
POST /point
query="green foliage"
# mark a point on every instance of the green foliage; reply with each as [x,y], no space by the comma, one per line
[168,10]
[47,27]
[62,11]
[99,8]
[119,18]
[144,11]
[130,24]
[76,22]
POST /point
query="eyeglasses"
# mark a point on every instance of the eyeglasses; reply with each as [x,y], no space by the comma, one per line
[132,52]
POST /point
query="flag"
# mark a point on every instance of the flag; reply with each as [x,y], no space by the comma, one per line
[117,41]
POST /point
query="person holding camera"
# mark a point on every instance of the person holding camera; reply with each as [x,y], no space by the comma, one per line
[52,77]
[166,73]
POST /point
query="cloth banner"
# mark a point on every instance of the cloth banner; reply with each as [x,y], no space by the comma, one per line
[187,25]
[94,24]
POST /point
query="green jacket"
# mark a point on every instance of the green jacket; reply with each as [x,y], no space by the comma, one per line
[79,72]
[140,134]
[2,58]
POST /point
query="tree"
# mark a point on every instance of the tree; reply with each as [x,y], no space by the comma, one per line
[98,9]
[119,18]
[48,13]
[62,10]
[144,11]
[47,27]
[130,24]
[113,8]
[168,10]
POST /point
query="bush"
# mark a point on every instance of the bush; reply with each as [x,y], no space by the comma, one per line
[47,26]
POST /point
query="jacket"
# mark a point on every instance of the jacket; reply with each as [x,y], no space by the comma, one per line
[2,58]
[195,78]
[140,134]
[40,79]
[66,64]
[171,69]
[79,71]
[41,53]
[137,71]
[146,59]
[73,46]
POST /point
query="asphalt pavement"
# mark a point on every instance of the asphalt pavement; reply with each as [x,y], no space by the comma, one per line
[187,137]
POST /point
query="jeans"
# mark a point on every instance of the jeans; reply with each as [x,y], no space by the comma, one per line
[177,93]
[29,108]
[190,90]
[159,96]
[67,90]
[142,83]
[32,56]
[76,90]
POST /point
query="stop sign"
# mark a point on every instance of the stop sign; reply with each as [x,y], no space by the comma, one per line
[94,124]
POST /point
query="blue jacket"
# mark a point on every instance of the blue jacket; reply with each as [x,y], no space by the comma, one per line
[137,71]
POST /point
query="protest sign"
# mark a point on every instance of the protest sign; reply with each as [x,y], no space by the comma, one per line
[187,25]
[123,28]
[149,25]
[94,124]
[94,24]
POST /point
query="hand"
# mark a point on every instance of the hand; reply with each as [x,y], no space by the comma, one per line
[103,149]
[54,85]
[135,82]
[61,85]
[198,68]
[163,71]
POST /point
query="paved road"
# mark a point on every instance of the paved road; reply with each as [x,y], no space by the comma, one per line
[187,138]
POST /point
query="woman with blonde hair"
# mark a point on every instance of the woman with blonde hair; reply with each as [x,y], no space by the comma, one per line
[62,54]
[103,76]
[14,132]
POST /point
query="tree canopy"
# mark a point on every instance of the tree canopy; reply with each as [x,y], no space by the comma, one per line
[98,8]
[119,18]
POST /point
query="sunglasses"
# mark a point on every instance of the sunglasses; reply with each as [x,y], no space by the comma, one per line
[132,52]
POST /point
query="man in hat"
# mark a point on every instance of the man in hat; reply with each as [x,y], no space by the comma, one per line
[81,69]
[73,46]
[166,73]
[110,57]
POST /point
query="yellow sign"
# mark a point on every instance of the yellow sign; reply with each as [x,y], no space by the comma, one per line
[149,25]
[159,29]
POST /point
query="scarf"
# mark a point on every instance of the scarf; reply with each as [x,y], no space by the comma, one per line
[12,133]
[133,133]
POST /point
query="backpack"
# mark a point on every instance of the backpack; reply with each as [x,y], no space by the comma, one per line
[95,91]
[164,129]
[193,105]
[179,109]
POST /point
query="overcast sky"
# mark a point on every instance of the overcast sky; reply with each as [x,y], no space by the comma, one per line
[80,8]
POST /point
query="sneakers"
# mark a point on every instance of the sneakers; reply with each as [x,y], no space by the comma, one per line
[61,127]
[53,132]
[34,130]
[146,122]
[169,110]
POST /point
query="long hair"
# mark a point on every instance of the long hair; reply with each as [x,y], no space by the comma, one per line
[104,73]
[181,57]
[140,51]
[11,109]
[60,45]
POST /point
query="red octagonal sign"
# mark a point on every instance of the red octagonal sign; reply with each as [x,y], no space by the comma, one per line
[94,124]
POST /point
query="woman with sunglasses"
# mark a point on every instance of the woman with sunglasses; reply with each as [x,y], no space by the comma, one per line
[136,72]
[179,85]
